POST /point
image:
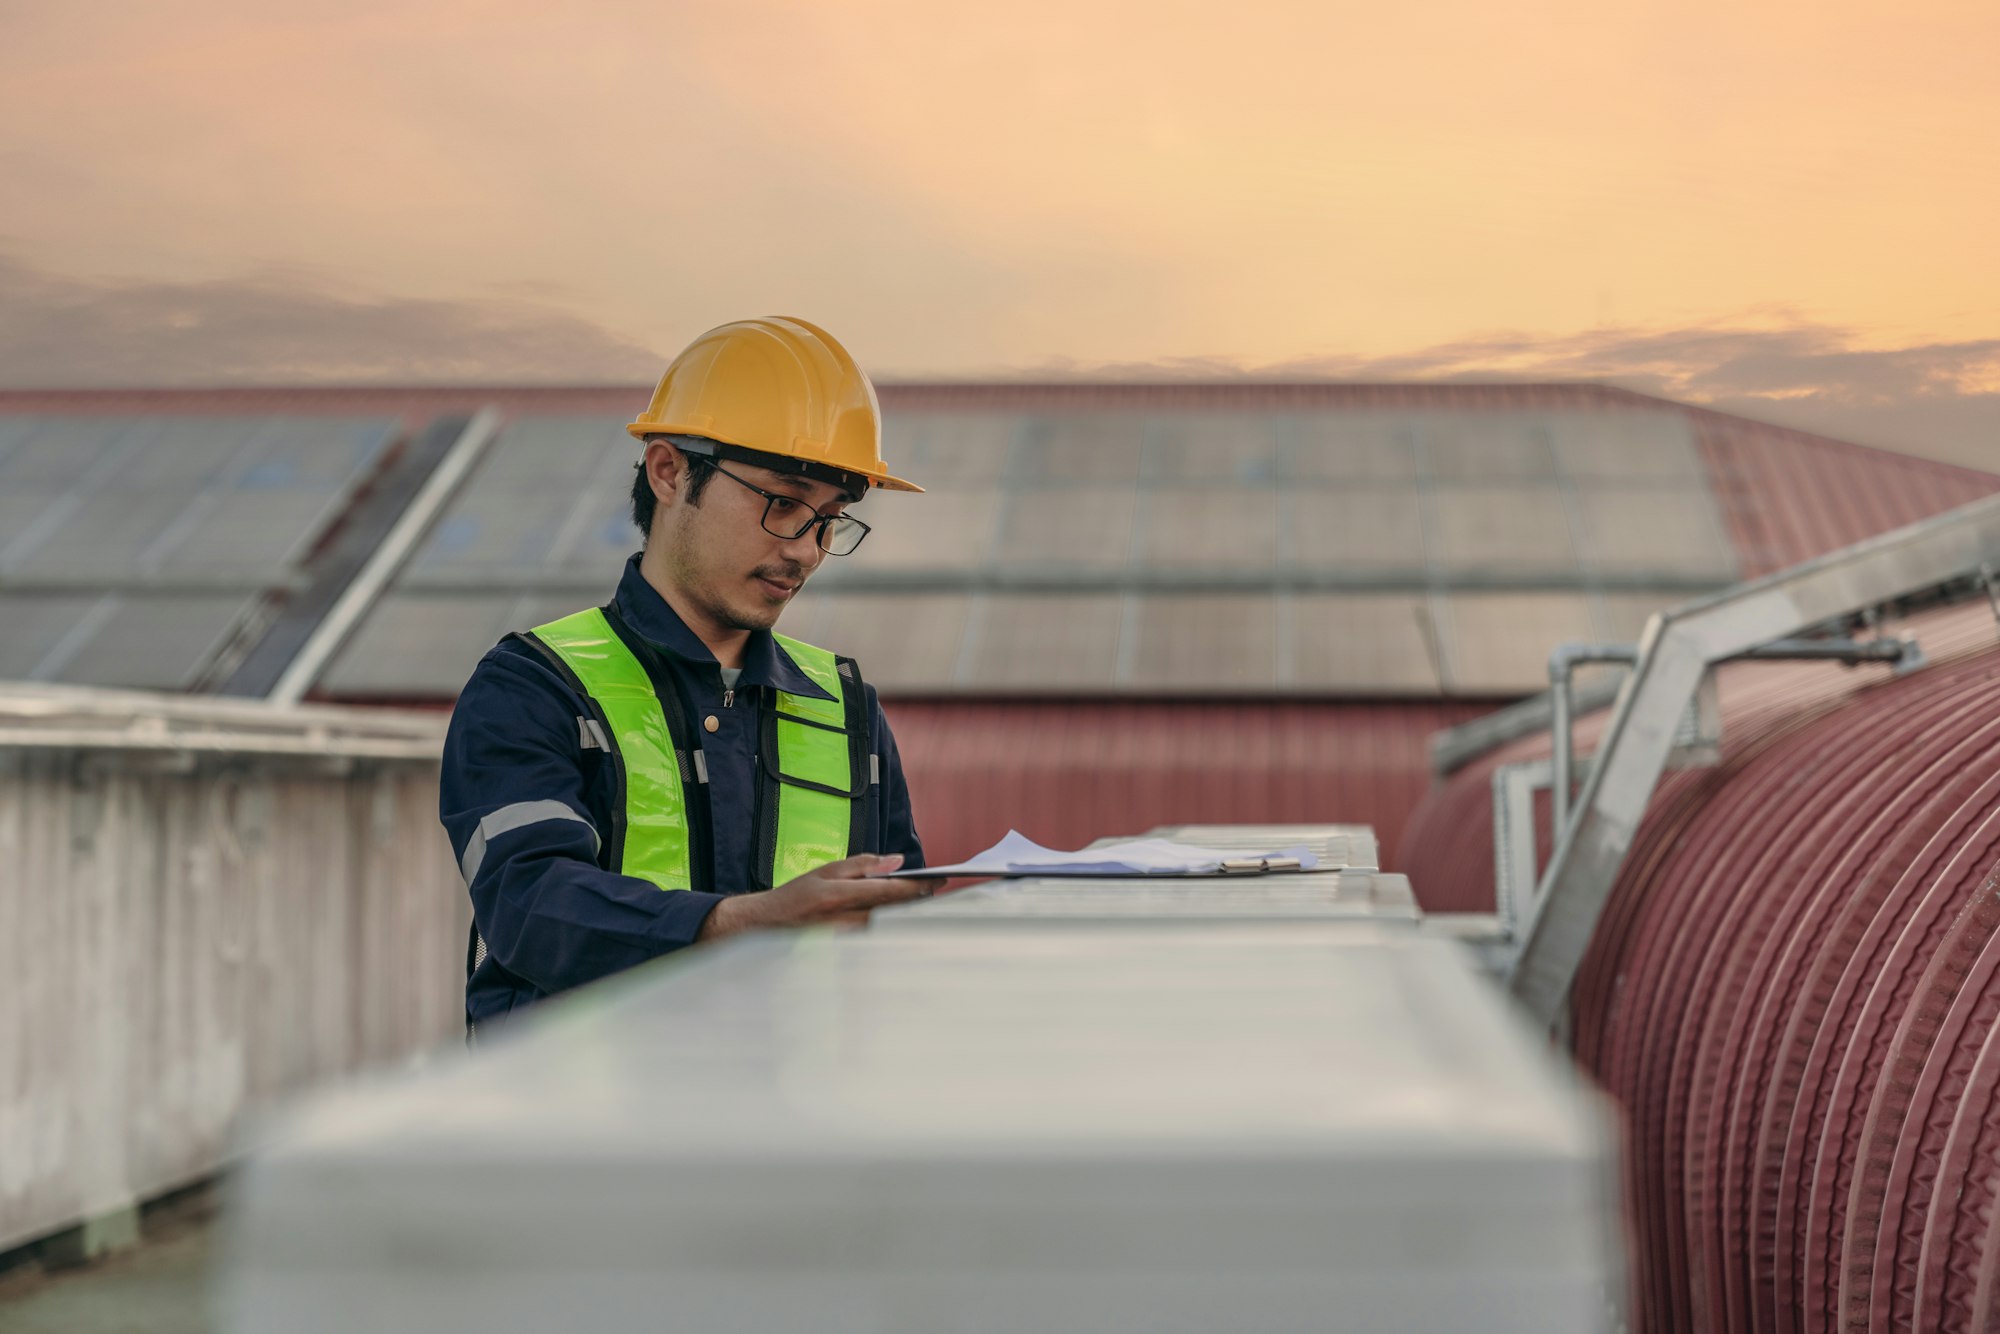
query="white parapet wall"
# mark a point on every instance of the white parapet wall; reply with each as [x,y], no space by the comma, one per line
[206,907]
[1156,1119]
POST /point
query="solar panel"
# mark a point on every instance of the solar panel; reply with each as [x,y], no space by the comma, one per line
[1473,446]
[237,534]
[13,431]
[1238,448]
[1141,511]
[106,521]
[186,454]
[1083,527]
[594,539]
[1360,643]
[1622,617]
[1352,447]
[1498,643]
[550,495]
[108,639]
[59,452]
[951,530]
[1478,529]
[903,641]
[1205,642]
[938,450]
[1210,527]
[1657,446]
[1097,447]
[1352,528]
[18,510]
[36,627]
[494,534]
[96,536]
[1045,642]
[1655,529]
[154,642]
[119,501]
[424,644]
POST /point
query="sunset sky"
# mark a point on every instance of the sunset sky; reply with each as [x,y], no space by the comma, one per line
[1787,205]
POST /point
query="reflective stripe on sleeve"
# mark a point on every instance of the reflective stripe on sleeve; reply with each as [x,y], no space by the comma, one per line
[509,818]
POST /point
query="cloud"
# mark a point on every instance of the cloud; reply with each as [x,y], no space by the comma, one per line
[1706,362]
[58,332]
[1940,399]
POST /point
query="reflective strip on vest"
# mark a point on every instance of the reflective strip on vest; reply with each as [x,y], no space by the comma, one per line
[813,827]
[656,825]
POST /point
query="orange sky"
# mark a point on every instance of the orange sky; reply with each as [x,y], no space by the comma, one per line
[961,189]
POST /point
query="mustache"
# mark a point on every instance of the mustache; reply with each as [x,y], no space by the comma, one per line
[789,572]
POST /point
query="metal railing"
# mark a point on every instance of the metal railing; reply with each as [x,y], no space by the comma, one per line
[1940,560]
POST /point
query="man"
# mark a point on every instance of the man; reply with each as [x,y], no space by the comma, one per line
[632,779]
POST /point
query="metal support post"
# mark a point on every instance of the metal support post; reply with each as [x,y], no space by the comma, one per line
[1562,671]
[396,548]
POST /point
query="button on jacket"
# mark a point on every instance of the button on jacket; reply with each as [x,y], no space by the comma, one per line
[527,788]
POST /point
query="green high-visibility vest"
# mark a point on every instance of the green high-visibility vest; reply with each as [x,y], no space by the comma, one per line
[815,757]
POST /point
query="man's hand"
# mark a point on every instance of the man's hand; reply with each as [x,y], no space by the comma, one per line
[840,893]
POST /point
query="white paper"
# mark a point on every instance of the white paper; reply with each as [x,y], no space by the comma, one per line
[1018,855]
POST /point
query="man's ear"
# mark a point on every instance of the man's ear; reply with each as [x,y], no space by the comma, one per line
[666,469]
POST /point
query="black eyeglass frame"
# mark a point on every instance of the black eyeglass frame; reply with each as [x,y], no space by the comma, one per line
[824,522]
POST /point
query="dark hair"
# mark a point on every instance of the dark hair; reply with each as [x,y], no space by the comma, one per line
[643,500]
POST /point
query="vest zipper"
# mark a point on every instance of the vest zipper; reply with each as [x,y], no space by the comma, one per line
[729,699]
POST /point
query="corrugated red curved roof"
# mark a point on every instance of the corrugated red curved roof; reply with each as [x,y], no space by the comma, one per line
[1794,996]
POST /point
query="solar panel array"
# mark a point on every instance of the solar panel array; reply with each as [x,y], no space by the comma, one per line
[133,548]
[1329,551]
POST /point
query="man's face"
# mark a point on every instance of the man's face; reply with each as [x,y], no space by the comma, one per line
[718,552]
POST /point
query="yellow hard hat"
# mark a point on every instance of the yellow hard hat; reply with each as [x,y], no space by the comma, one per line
[779,387]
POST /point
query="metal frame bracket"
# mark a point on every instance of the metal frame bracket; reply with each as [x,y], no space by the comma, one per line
[1933,562]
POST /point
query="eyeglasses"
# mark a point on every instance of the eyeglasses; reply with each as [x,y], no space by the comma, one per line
[838,533]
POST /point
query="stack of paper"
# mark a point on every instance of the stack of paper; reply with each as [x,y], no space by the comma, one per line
[1017,855]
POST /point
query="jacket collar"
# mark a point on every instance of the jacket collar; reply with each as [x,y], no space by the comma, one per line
[765,663]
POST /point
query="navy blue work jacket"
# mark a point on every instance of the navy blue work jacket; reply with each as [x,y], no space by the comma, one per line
[524,797]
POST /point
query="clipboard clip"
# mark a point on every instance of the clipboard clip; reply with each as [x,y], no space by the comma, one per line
[1259,865]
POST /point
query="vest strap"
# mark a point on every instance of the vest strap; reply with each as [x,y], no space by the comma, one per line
[656,839]
[808,747]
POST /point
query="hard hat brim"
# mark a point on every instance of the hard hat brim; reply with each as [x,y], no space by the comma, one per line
[880,480]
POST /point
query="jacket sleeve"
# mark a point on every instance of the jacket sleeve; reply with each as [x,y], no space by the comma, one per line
[512,800]
[898,821]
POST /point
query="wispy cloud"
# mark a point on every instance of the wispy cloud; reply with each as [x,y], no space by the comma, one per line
[1707,362]
[62,332]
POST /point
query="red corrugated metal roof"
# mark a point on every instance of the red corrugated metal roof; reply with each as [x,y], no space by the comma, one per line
[1067,772]
[1789,496]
